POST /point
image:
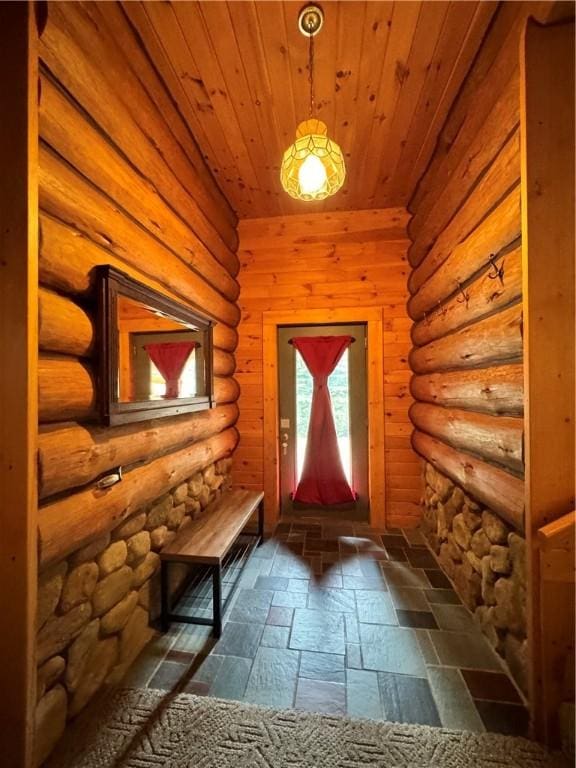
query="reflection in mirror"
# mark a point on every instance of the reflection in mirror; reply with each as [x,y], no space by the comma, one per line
[159,357]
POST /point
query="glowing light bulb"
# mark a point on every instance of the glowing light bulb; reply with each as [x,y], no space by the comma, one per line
[312,175]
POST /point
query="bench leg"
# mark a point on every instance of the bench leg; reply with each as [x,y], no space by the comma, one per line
[261,522]
[164,598]
[217,599]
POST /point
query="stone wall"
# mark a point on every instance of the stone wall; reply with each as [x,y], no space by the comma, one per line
[94,607]
[486,561]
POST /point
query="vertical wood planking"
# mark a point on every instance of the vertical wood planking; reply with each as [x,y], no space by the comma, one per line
[547,138]
[18,390]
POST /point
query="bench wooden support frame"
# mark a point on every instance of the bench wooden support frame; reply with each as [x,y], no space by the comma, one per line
[214,569]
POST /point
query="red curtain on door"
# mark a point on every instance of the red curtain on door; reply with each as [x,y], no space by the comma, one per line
[170,358]
[323,480]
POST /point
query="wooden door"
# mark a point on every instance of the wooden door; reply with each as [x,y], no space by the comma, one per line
[349,400]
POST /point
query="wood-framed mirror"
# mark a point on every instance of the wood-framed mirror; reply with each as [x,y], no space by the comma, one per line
[155,354]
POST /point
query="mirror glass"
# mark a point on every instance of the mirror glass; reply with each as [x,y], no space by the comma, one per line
[159,358]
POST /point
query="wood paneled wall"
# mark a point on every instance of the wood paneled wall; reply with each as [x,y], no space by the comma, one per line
[466,282]
[122,182]
[329,261]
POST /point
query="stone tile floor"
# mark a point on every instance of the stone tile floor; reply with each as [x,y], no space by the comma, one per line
[343,619]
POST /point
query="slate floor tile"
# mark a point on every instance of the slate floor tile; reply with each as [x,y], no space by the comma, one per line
[402,575]
[298,585]
[396,555]
[168,675]
[454,617]
[453,700]
[330,578]
[266,550]
[322,666]
[375,607]
[321,631]
[339,600]
[407,699]
[437,579]
[232,677]
[442,596]
[426,647]
[351,566]
[207,668]
[239,640]
[391,649]
[275,636]
[363,694]
[395,541]
[408,598]
[351,627]
[363,582]
[251,606]
[370,569]
[290,599]
[318,696]
[353,656]
[464,649]
[417,619]
[500,717]
[280,616]
[273,583]
[493,686]
[421,558]
[273,677]
[288,566]
[414,537]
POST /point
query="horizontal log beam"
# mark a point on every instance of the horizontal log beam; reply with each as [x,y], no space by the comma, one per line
[487,295]
[500,491]
[67,390]
[432,247]
[73,48]
[499,391]
[70,456]
[66,196]
[496,439]
[64,327]
[69,523]
[492,341]
[496,232]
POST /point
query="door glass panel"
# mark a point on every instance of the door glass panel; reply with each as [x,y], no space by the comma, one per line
[339,392]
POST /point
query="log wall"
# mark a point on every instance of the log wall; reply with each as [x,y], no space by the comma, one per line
[323,262]
[121,182]
[466,283]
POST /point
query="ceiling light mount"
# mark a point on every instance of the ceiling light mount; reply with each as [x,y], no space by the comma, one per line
[310,20]
[313,166]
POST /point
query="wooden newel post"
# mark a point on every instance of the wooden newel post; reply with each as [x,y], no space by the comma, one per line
[547,151]
[18,381]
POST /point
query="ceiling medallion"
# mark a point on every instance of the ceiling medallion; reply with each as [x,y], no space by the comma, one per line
[313,166]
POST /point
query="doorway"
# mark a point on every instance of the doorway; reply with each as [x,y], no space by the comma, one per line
[348,391]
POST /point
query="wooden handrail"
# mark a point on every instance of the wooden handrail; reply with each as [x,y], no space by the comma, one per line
[559,534]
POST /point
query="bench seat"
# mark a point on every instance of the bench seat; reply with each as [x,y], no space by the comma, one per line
[207,541]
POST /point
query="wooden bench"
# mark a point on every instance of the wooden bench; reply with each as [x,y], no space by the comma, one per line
[207,542]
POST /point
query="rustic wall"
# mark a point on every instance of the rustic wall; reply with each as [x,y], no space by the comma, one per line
[324,261]
[466,303]
[121,182]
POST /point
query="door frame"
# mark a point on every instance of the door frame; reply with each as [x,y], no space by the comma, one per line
[372,316]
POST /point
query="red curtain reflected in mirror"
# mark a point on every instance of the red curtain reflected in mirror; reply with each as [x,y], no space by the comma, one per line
[323,480]
[170,357]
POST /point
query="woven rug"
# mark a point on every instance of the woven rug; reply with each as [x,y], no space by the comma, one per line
[141,728]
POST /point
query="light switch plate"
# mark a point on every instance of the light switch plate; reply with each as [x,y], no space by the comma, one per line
[284,423]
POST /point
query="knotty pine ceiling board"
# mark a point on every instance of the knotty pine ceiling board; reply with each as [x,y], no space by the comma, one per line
[386,75]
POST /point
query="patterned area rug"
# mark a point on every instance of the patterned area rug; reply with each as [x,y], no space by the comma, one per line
[149,729]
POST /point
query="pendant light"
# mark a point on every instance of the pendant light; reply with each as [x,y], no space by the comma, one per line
[313,167]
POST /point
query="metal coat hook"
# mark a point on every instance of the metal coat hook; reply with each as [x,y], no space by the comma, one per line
[498,270]
[465,298]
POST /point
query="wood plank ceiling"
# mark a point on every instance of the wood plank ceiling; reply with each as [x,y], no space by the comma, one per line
[386,74]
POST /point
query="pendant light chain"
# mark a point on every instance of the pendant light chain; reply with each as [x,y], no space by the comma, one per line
[311,71]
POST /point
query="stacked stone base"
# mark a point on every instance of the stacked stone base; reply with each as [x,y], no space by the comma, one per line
[486,560]
[94,607]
